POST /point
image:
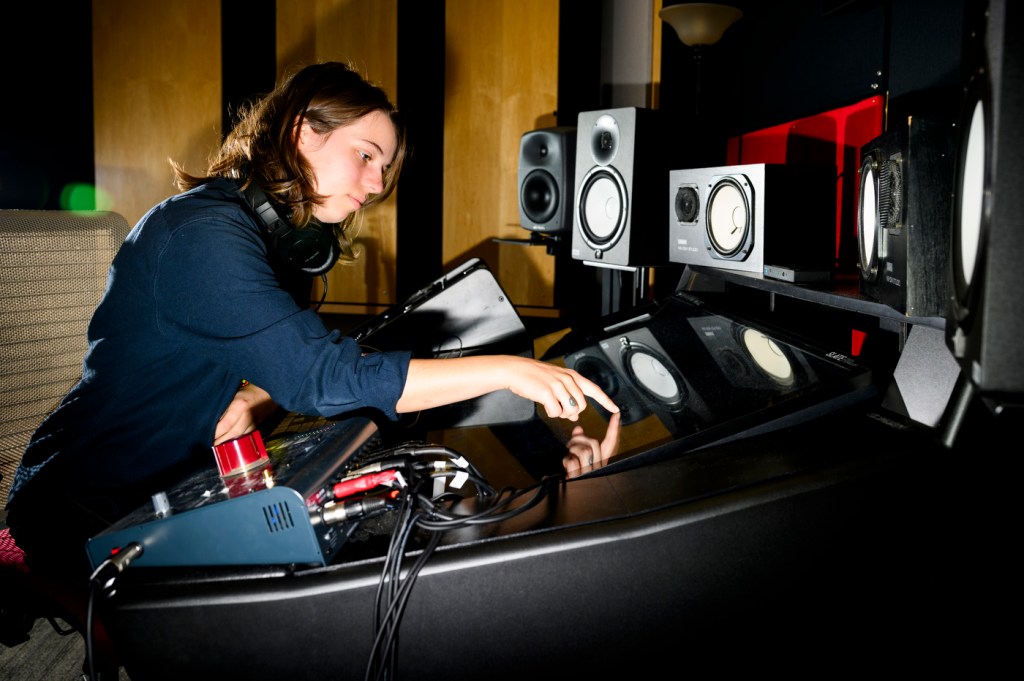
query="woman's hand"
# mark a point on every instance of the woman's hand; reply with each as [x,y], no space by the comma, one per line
[562,392]
[588,453]
[250,405]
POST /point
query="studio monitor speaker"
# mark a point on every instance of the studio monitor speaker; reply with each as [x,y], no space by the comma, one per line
[984,324]
[622,159]
[743,217]
[903,216]
[547,159]
[645,381]
[463,313]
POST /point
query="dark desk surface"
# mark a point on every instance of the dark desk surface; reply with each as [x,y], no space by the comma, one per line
[835,538]
[796,543]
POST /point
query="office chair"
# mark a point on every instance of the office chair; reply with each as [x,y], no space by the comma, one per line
[53,271]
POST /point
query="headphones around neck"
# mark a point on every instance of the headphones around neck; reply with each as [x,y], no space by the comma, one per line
[313,249]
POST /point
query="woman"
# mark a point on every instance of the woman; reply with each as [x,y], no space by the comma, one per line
[210,292]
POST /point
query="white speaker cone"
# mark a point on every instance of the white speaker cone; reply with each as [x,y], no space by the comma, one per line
[728,217]
[654,376]
[602,208]
[768,356]
[972,193]
[868,214]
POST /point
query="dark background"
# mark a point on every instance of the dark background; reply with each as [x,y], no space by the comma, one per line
[785,59]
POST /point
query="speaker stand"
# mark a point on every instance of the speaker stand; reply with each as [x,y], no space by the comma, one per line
[622,289]
[549,241]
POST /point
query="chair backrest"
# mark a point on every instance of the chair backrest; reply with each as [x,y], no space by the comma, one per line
[53,271]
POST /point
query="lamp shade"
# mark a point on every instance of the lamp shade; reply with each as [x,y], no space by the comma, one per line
[700,23]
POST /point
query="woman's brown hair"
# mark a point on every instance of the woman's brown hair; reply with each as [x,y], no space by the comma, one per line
[262,147]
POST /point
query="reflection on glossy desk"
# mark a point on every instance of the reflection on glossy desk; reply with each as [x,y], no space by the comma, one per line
[684,376]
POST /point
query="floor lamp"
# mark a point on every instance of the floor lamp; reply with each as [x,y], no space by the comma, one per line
[698,25]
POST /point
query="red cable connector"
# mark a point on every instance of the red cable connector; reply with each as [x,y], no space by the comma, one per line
[347,488]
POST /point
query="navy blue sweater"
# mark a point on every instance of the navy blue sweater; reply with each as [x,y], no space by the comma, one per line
[195,302]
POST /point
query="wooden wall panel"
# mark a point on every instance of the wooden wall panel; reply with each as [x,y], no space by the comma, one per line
[501,80]
[157,95]
[364,34]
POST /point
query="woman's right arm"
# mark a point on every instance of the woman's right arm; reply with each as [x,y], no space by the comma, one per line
[436,382]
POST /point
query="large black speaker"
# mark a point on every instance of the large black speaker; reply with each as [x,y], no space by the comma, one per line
[743,217]
[984,324]
[463,313]
[547,161]
[903,216]
[622,160]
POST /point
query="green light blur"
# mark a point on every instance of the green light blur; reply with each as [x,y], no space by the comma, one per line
[81,196]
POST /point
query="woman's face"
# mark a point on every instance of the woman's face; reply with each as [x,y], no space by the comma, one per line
[349,163]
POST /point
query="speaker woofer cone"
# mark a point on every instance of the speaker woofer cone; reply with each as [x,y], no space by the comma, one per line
[729,218]
[653,374]
[869,217]
[768,356]
[539,196]
[972,201]
[603,207]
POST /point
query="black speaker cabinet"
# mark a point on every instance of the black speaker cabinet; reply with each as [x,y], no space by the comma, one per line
[903,216]
[547,159]
[463,313]
[649,382]
[743,217]
[984,324]
[622,158]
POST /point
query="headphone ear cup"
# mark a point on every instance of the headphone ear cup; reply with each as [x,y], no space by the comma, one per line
[313,249]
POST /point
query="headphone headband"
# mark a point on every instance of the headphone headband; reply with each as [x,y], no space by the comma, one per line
[313,249]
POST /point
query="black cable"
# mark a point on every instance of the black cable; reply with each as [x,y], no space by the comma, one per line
[103,580]
[385,622]
[401,598]
[323,280]
[94,588]
[432,513]
[491,513]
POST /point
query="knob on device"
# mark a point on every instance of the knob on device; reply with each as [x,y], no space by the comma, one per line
[242,463]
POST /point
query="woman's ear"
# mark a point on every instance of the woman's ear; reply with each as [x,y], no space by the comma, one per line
[307,138]
[301,131]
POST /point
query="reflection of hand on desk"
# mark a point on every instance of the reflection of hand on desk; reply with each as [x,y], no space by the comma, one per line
[587,453]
